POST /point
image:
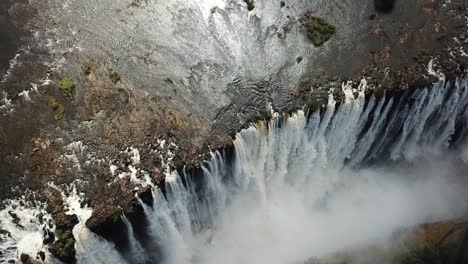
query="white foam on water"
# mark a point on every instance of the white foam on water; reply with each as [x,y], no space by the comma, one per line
[22,230]
[90,248]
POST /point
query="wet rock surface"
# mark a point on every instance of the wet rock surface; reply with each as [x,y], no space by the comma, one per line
[64,246]
[146,95]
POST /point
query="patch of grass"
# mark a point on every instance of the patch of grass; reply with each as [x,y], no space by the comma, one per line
[68,86]
[250,4]
[116,213]
[319,30]
[58,108]
[114,77]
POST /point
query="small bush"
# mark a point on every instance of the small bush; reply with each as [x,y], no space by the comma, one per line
[68,86]
[64,247]
[137,3]
[57,107]
[116,213]
[114,77]
[319,30]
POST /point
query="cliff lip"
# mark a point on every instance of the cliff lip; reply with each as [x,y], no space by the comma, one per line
[90,134]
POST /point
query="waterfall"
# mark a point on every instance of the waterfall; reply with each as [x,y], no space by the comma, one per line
[90,248]
[302,185]
[295,179]
[137,252]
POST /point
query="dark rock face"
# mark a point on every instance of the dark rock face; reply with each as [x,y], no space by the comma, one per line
[24,258]
[106,220]
[64,246]
[41,255]
[9,41]
[48,236]
[384,6]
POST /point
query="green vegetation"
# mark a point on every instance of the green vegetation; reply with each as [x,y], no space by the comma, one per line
[451,252]
[58,108]
[250,4]
[64,247]
[116,213]
[114,77]
[319,30]
[440,243]
[189,164]
[426,255]
[68,86]
[137,3]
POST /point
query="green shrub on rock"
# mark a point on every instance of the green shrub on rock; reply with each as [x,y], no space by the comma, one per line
[64,247]
[319,30]
[114,77]
[116,213]
[68,86]
[58,108]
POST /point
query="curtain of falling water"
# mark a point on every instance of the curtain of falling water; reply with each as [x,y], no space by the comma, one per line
[308,185]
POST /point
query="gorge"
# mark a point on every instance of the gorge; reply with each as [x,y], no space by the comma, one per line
[232,131]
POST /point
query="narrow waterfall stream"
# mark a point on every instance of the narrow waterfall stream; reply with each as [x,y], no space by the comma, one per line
[137,253]
[316,183]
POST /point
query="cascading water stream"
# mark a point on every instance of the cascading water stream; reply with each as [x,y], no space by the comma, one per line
[90,248]
[137,252]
